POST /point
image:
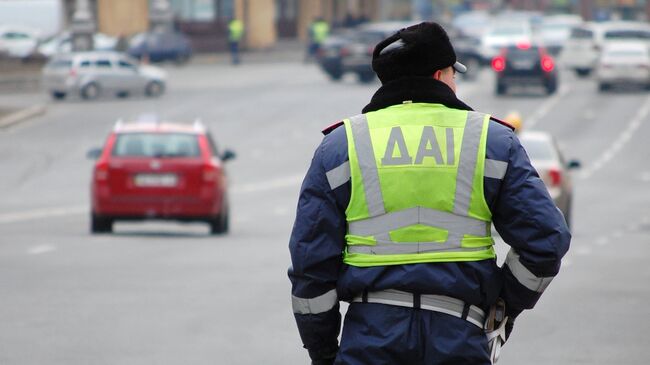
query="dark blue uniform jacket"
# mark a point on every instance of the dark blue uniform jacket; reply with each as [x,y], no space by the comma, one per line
[523,214]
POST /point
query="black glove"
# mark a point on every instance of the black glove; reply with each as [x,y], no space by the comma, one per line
[325,357]
[510,323]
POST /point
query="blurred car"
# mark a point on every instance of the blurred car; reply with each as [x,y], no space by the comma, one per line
[555,31]
[503,34]
[623,63]
[62,43]
[351,52]
[91,74]
[17,42]
[160,47]
[472,23]
[546,157]
[162,171]
[583,48]
[522,65]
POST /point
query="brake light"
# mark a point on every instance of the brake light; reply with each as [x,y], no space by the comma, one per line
[523,45]
[499,63]
[547,63]
[555,177]
[210,173]
[101,171]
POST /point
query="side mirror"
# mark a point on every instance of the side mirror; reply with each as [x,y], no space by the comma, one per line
[94,153]
[574,164]
[228,155]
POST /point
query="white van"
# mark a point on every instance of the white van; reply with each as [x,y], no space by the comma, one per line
[585,43]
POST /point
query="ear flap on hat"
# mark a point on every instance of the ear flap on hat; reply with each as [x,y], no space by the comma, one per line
[385,43]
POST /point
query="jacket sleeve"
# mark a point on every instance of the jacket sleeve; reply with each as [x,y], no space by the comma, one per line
[316,246]
[528,220]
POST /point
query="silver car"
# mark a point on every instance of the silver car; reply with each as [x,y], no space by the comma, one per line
[91,74]
[624,63]
[547,159]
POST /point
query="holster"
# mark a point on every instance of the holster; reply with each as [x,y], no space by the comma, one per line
[495,329]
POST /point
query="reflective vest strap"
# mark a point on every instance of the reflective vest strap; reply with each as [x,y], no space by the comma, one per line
[524,276]
[418,215]
[467,162]
[319,304]
[367,165]
[401,248]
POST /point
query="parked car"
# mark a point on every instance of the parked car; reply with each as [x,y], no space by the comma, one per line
[17,42]
[623,63]
[166,171]
[160,47]
[62,43]
[351,52]
[91,74]
[546,157]
[583,48]
[522,65]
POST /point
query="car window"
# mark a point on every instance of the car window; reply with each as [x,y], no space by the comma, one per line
[160,145]
[126,65]
[627,34]
[15,36]
[85,63]
[538,149]
[103,63]
[213,146]
[59,63]
[581,33]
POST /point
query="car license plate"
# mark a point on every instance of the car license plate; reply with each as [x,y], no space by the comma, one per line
[523,64]
[156,180]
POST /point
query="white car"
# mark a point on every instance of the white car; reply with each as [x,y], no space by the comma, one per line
[17,42]
[555,30]
[62,43]
[90,74]
[503,34]
[582,50]
[623,63]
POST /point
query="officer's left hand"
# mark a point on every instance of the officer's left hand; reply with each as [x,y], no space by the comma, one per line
[323,361]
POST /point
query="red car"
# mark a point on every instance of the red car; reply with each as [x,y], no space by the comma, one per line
[159,171]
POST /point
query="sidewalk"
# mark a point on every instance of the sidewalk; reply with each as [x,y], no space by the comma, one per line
[282,51]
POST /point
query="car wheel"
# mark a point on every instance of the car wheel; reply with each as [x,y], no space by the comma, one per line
[501,88]
[58,95]
[154,89]
[221,223]
[335,75]
[99,224]
[90,91]
[551,87]
[582,72]
[181,59]
[603,86]
[123,94]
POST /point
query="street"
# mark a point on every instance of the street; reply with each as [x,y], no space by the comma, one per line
[171,293]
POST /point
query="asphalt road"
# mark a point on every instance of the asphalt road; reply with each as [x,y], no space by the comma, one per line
[168,293]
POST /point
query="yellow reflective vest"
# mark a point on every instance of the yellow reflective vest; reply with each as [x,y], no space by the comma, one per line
[235,30]
[417,186]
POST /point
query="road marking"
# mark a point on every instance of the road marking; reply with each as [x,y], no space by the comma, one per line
[546,106]
[620,141]
[583,250]
[42,213]
[40,249]
[602,241]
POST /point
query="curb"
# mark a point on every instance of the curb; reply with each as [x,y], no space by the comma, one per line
[22,115]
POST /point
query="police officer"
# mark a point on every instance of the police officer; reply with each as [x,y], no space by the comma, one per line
[235,35]
[318,31]
[394,217]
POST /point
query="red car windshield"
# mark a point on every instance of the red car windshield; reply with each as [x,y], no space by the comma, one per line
[158,145]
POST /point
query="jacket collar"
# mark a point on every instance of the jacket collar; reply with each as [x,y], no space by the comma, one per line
[417,90]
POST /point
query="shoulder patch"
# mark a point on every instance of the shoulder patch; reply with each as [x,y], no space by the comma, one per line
[503,123]
[329,129]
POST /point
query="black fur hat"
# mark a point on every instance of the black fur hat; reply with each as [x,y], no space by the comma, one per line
[418,50]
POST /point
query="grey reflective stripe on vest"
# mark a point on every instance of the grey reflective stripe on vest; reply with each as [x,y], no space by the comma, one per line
[381,223]
[367,165]
[338,175]
[495,169]
[320,304]
[398,248]
[437,303]
[523,275]
[467,162]
[407,217]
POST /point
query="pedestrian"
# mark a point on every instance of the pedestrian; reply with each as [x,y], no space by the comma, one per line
[394,217]
[235,35]
[318,31]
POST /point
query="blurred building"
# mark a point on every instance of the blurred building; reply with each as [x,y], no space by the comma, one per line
[267,21]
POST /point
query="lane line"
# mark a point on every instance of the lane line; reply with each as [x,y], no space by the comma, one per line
[43,213]
[617,145]
[40,249]
[280,183]
[540,112]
